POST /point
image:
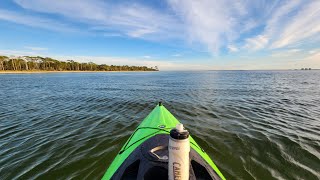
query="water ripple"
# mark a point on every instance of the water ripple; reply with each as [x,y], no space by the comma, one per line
[254,124]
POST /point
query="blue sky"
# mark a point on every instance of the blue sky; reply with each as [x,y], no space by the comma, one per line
[172,34]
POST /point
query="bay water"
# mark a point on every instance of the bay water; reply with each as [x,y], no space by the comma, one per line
[253,124]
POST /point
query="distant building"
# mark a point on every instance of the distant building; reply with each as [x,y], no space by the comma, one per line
[305,68]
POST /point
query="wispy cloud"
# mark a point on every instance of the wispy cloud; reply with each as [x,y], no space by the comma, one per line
[34,48]
[146,57]
[133,20]
[38,22]
[209,22]
[256,25]
[292,53]
[214,24]
[277,26]
[303,24]
[256,43]
[15,52]
[313,51]
[107,34]
[292,23]
[232,48]
[314,56]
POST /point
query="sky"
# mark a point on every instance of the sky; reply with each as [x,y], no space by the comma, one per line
[170,34]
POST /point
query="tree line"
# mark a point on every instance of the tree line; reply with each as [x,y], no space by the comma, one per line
[37,63]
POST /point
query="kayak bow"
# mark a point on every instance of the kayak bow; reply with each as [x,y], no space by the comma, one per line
[145,153]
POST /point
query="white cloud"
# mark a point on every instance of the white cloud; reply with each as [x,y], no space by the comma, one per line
[295,50]
[217,24]
[256,43]
[38,22]
[315,57]
[147,57]
[213,24]
[302,25]
[313,51]
[140,32]
[107,34]
[232,48]
[291,24]
[14,52]
[290,53]
[133,20]
[33,48]
[209,22]
[177,55]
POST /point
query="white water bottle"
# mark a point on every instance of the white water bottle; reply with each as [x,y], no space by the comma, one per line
[179,148]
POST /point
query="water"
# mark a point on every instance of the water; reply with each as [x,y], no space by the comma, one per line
[254,124]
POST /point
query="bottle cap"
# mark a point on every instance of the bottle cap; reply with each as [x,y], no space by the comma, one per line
[179,132]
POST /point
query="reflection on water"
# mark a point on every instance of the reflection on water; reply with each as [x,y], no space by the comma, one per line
[254,124]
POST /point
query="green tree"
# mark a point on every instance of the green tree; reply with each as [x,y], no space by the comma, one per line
[48,64]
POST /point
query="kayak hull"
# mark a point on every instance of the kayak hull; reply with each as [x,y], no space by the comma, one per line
[145,152]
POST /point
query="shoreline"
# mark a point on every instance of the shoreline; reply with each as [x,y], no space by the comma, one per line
[42,72]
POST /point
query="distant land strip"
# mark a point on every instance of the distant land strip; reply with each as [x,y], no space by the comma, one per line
[46,64]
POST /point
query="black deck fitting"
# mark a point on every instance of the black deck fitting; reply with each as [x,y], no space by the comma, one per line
[160,103]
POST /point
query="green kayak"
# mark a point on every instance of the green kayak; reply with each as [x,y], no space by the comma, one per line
[141,157]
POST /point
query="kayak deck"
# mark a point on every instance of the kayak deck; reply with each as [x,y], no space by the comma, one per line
[135,158]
